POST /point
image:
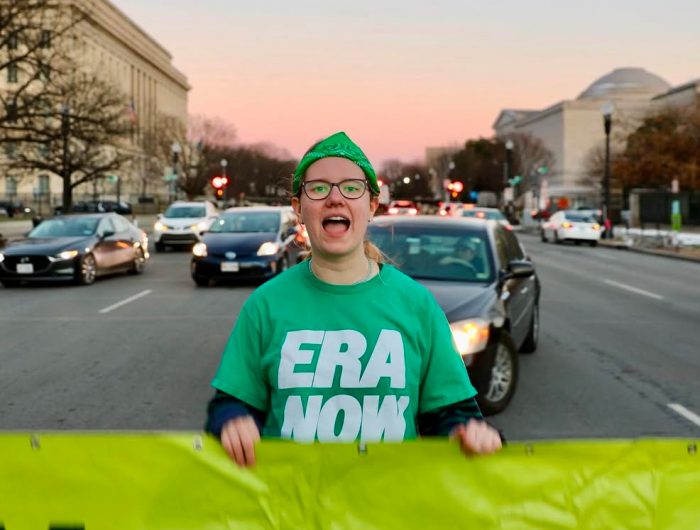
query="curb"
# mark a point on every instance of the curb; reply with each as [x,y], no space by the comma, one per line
[649,252]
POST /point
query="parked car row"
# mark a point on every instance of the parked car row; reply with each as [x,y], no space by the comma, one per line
[120,207]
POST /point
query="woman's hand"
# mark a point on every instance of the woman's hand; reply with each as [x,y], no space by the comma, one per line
[238,438]
[477,437]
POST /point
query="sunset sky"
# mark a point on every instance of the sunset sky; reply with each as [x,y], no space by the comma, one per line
[401,76]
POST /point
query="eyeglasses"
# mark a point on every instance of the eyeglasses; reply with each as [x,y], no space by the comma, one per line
[317,190]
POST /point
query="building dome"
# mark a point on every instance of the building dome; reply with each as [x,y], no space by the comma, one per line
[626,83]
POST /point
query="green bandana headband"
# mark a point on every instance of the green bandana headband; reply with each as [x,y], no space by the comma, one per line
[338,145]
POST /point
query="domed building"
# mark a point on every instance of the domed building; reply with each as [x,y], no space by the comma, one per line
[573,129]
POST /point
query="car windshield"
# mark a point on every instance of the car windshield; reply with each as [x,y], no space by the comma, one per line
[181,212]
[435,253]
[66,227]
[239,222]
[580,217]
[484,214]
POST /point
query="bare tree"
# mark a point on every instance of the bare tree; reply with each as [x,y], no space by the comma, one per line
[531,158]
[32,33]
[80,133]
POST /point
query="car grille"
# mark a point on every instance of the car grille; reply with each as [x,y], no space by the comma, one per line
[179,237]
[39,262]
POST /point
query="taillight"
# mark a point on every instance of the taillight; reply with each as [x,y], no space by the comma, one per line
[393,211]
[412,211]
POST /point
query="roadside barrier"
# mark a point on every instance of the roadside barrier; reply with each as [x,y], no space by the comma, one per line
[184,480]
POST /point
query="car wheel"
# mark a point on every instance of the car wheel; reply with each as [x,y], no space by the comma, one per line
[283,264]
[160,247]
[556,237]
[139,262]
[9,283]
[530,343]
[502,378]
[543,234]
[201,282]
[593,243]
[87,271]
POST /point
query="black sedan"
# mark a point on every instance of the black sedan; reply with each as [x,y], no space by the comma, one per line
[486,285]
[248,243]
[75,248]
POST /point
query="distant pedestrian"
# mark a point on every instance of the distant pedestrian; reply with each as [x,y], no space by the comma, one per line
[342,347]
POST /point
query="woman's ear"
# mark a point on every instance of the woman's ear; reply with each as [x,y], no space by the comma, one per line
[296,204]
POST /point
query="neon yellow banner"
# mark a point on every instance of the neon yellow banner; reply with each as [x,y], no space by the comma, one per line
[183,481]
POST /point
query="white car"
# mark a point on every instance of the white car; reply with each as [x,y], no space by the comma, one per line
[492,214]
[571,225]
[182,223]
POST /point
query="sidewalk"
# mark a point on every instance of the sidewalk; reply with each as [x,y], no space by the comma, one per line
[657,242]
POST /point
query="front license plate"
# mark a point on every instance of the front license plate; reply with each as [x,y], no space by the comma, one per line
[229,266]
[25,268]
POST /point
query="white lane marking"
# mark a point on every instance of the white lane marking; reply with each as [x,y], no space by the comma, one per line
[687,414]
[634,289]
[124,302]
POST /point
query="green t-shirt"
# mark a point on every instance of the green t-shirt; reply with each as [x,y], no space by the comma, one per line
[342,362]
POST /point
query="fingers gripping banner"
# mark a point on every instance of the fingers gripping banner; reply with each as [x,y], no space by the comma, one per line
[182,481]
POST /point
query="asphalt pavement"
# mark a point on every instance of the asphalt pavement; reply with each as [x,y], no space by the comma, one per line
[617,355]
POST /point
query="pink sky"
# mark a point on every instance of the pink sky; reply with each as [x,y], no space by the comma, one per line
[402,76]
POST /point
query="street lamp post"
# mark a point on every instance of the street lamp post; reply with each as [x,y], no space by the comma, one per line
[65,170]
[224,163]
[607,110]
[175,149]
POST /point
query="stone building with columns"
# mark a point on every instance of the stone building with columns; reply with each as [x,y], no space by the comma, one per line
[117,49]
[573,129]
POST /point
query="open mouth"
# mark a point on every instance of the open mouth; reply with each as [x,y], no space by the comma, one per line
[336,224]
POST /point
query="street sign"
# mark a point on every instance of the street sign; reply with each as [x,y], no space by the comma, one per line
[112,178]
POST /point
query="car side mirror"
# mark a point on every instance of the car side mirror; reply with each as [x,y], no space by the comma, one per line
[521,269]
[106,234]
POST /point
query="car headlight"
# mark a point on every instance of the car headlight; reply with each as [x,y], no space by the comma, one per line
[67,254]
[160,227]
[2,258]
[470,336]
[268,249]
[199,250]
[200,226]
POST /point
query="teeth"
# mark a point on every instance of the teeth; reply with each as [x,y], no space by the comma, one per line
[336,218]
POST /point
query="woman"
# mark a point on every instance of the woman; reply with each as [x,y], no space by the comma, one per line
[342,347]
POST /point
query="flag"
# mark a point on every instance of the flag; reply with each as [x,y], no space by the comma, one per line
[131,111]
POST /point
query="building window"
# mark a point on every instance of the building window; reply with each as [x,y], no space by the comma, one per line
[43,184]
[43,149]
[12,73]
[11,111]
[45,40]
[11,150]
[11,186]
[44,72]
[12,41]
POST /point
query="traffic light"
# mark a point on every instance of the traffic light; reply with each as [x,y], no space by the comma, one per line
[219,182]
[455,188]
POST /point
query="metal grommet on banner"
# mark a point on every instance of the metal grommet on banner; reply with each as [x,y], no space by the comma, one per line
[693,449]
[362,448]
[197,443]
[34,442]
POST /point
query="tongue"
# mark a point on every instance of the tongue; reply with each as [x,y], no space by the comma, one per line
[335,227]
